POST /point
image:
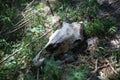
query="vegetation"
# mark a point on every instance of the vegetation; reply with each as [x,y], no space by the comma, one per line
[23,22]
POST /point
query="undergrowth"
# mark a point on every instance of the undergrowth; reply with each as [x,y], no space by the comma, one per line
[86,11]
[77,73]
[19,66]
[53,71]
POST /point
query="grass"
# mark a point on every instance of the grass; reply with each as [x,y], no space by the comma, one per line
[78,73]
[36,16]
[87,12]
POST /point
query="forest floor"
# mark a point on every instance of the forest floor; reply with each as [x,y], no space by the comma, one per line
[26,34]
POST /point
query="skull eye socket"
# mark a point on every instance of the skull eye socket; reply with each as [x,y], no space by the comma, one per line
[88,51]
[53,47]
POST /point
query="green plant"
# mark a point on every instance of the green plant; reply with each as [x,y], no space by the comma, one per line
[9,16]
[94,27]
[35,17]
[77,73]
[12,67]
[87,11]
[51,70]
[71,12]
[116,54]
[112,30]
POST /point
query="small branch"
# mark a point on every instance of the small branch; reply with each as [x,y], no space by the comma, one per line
[95,70]
[40,36]
[19,22]
[21,25]
[30,4]
[101,67]
[48,3]
[115,71]
[11,55]
[38,73]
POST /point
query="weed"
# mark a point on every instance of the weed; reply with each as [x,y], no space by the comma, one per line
[112,30]
[78,73]
[51,70]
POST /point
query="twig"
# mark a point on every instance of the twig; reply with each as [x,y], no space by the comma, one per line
[95,70]
[25,45]
[21,25]
[30,4]
[96,65]
[112,67]
[23,19]
[48,3]
[11,55]
[41,36]
[101,67]
[21,22]
[38,73]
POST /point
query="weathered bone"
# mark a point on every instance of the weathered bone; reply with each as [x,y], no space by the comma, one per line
[63,39]
[68,31]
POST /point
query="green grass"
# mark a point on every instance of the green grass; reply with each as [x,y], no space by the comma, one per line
[35,14]
[78,73]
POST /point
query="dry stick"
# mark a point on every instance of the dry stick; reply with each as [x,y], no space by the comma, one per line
[28,45]
[17,24]
[96,65]
[112,68]
[32,41]
[101,67]
[21,25]
[11,55]
[28,19]
[96,69]
[25,46]
[30,3]
[48,3]
[22,20]
[17,29]
[38,73]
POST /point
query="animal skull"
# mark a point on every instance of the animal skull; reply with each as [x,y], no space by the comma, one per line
[62,39]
